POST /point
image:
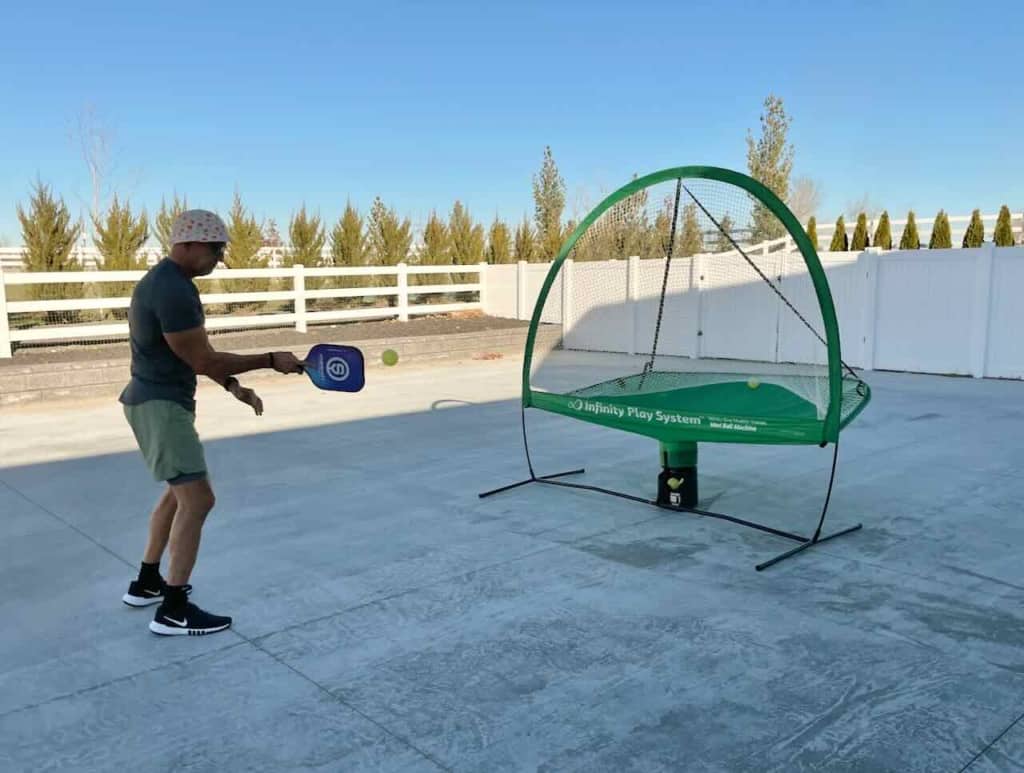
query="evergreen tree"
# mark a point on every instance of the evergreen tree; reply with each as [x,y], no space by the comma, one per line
[1003,236]
[941,238]
[840,241]
[436,242]
[691,240]
[499,247]
[549,202]
[436,249]
[119,237]
[812,231]
[724,232]
[525,246]
[307,237]
[164,221]
[246,239]
[466,241]
[49,236]
[271,236]
[883,233]
[910,240]
[349,247]
[662,228]
[770,161]
[974,236]
[243,251]
[860,234]
[390,239]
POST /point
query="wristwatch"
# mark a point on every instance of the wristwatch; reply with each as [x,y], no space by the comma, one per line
[230,383]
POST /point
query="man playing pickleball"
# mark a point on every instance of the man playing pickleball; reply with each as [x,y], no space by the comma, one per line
[169,349]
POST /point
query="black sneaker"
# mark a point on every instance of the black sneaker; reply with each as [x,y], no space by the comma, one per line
[146,593]
[189,620]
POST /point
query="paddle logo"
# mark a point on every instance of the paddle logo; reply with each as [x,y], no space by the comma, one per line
[337,368]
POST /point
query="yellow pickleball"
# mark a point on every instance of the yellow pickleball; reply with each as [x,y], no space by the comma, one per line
[389,357]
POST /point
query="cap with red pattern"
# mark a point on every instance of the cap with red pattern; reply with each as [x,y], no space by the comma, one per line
[198,225]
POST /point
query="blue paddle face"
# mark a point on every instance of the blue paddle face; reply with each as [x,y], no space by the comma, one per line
[336,368]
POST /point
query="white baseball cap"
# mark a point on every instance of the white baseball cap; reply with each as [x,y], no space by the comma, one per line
[198,225]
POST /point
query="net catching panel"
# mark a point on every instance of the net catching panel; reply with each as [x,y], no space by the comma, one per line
[690,299]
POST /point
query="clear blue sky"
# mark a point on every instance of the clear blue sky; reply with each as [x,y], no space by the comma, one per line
[913,103]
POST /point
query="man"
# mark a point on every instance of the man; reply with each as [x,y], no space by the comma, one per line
[169,349]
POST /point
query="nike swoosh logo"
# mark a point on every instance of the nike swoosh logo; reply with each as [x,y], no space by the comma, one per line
[152,592]
[182,623]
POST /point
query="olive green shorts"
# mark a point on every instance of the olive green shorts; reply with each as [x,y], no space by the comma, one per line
[166,434]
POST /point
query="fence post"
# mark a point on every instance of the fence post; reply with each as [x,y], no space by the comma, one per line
[697,286]
[299,278]
[870,307]
[521,290]
[482,281]
[567,299]
[632,297]
[403,292]
[5,330]
[981,308]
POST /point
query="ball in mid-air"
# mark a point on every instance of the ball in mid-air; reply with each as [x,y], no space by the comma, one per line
[389,357]
[753,383]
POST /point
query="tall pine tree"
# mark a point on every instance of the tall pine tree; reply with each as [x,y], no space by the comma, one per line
[974,236]
[436,247]
[349,246]
[840,241]
[307,236]
[941,238]
[812,231]
[549,203]
[243,251]
[770,161]
[499,245]
[1003,235]
[883,233]
[525,246]
[466,244]
[860,234]
[691,241]
[49,237]
[910,239]
[119,237]
[164,221]
[390,239]
[722,238]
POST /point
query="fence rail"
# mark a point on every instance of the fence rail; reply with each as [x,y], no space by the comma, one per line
[400,296]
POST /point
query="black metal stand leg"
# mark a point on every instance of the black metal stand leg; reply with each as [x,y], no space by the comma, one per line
[537,479]
[803,546]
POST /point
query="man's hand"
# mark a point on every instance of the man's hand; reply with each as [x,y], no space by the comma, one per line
[247,396]
[285,362]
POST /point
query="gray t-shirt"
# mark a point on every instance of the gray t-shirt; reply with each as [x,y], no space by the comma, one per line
[164,301]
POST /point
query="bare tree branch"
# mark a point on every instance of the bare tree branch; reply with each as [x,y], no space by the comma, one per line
[805,198]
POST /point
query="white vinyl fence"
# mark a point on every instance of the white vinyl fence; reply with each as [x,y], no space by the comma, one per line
[58,318]
[955,311]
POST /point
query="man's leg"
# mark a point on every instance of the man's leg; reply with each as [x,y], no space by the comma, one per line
[177,616]
[194,500]
[148,587]
[160,527]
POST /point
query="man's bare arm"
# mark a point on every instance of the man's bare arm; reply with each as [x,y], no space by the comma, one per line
[193,346]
